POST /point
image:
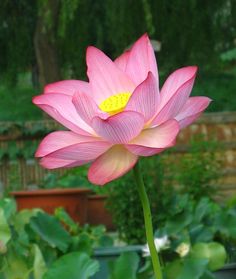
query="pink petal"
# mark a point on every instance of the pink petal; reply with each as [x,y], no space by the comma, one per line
[119,128]
[114,163]
[60,107]
[86,107]
[192,110]
[145,98]
[105,77]
[188,120]
[68,87]
[141,61]
[122,60]
[53,163]
[75,155]
[161,136]
[175,81]
[175,103]
[146,151]
[58,140]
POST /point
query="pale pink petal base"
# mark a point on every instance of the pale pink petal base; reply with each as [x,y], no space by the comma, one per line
[114,163]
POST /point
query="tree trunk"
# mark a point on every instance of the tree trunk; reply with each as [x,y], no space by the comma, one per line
[45,42]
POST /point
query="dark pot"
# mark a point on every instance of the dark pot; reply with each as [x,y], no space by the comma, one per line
[97,212]
[227,272]
[74,201]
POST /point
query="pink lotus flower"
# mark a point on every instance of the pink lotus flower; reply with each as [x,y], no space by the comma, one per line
[118,115]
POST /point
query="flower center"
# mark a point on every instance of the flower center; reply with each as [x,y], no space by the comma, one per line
[115,103]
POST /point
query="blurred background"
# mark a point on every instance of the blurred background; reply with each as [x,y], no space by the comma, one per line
[192,187]
[44,41]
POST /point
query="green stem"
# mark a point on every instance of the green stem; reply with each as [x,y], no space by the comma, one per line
[148,222]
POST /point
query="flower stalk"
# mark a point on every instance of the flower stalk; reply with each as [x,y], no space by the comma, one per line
[148,222]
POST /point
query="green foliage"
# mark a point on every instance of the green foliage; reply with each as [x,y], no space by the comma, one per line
[34,244]
[51,231]
[124,203]
[16,104]
[125,266]
[201,221]
[72,178]
[219,87]
[79,266]
[214,252]
[110,25]
[189,268]
[68,10]
[5,233]
[39,266]
[229,55]
[194,173]
[36,251]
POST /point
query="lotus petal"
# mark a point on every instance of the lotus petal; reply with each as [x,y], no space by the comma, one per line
[114,163]
[145,98]
[141,61]
[61,108]
[119,128]
[68,87]
[105,77]
[176,80]
[192,110]
[161,136]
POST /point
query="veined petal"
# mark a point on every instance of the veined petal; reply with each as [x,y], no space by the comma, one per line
[122,60]
[61,108]
[192,110]
[145,98]
[86,107]
[176,80]
[119,128]
[175,103]
[55,163]
[58,140]
[158,137]
[105,77]
[141,61]
[144,151]
[111,165]
[75,155]
[68,87]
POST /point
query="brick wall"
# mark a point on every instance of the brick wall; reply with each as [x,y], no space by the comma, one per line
[221,127]
[218,126]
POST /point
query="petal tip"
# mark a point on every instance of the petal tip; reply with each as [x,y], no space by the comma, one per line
[34,100]
[192,69]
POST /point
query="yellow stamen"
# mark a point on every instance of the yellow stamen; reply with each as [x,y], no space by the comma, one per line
[115,103]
